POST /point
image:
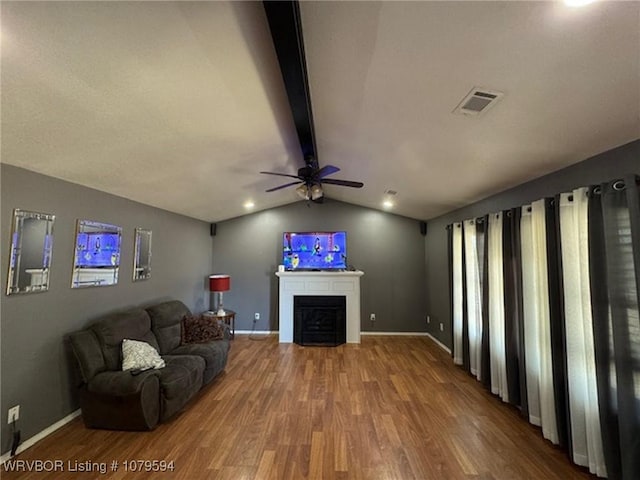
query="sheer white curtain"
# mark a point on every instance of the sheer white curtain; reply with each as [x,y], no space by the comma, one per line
[530,320]
[474,297]
[457,292]
[584,417]
[541,294]
[496,309]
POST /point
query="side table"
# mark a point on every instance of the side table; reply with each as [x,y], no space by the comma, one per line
[229,318]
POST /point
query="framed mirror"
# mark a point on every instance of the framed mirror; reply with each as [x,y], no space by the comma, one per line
[30,254]
[97,254]
[142,255]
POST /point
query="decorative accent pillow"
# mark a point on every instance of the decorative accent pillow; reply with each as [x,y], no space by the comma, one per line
[138,355]
[201,329]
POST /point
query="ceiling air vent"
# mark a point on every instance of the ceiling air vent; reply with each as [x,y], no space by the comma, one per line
[478,101]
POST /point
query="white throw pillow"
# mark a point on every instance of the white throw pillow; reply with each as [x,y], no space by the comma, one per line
[139,355]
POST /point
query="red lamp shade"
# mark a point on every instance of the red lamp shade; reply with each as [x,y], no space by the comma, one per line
[219,283]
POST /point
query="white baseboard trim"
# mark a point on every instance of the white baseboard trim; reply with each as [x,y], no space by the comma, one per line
[439,343]
[396,334]
[39,436]
[276,332]
[256,332]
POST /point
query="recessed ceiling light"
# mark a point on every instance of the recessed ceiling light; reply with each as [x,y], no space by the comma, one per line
[577,3]
[387,204]
[249,205]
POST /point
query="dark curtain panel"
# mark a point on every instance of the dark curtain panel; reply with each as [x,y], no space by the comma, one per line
[450,258]
[614,254]
[556,309]
[559,352]
[481,243]
[486,352]
[512,270]
[516,247]
[603,336]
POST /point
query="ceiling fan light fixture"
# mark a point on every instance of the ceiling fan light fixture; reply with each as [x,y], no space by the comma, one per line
[316,191]
[303,192]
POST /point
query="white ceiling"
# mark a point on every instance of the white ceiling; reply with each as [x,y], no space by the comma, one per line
[180,105]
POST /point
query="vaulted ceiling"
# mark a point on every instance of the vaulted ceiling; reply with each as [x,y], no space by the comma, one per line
[179,105]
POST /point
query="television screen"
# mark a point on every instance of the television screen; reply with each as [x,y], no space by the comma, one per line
[98,249]
[314,250]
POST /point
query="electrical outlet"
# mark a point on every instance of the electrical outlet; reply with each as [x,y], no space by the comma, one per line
[256,316]
[14,414]
[428,318]
[373,317]
[441,327]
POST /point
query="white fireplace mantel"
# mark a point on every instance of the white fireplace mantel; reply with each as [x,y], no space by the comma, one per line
[346,284]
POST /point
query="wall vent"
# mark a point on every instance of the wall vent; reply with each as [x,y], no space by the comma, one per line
[390,192]
[478,101]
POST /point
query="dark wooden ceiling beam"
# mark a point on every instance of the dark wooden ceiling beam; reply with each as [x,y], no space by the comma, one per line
[286,31]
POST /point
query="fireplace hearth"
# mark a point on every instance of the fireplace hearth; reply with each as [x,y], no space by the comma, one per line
[319,320]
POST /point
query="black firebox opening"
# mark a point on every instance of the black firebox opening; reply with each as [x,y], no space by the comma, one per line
[319,320]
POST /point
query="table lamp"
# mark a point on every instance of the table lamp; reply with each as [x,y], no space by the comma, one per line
[219,283]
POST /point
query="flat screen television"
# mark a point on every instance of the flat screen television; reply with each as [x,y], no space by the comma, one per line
[314,250]
[98,249]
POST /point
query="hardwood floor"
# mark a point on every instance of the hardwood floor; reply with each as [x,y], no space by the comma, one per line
[389,408]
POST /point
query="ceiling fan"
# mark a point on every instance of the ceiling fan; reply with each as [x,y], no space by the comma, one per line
[310,180]
[286,31]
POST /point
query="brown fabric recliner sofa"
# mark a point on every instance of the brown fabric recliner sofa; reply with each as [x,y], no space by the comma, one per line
[119,400]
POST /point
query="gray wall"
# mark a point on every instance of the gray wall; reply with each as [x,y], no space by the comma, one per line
[600,168]
[36,369]
[388,248]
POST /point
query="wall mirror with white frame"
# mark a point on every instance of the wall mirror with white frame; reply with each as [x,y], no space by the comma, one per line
[142,255]
[97,254]
[30,254]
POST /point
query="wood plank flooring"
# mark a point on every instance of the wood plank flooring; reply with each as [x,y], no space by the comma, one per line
[389,408]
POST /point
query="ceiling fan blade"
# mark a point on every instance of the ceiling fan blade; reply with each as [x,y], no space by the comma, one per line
[282,175]
[283,186]
[326,170]
[342,183]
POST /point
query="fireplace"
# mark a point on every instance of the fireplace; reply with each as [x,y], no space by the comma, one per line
[341,284]
[319,320]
